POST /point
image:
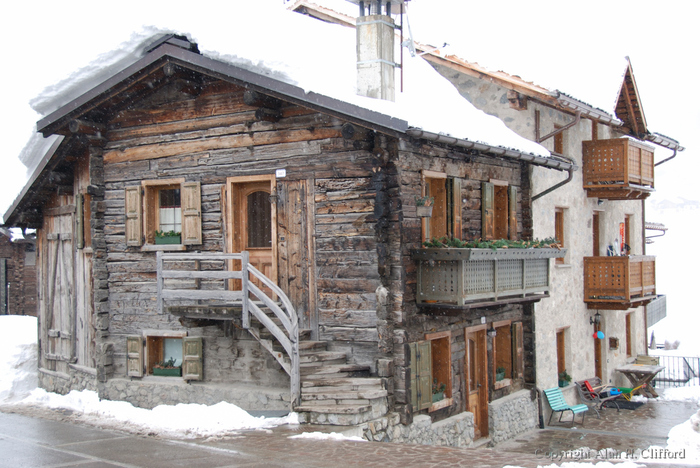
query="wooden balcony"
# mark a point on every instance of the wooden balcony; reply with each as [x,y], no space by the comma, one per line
[619,283]
[468,278]
[618,169]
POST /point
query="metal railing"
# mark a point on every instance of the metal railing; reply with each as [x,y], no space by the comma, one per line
[184,288]
[679,371]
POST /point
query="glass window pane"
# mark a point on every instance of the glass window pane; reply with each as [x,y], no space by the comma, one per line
[259,220]
[172,348]
[169,213]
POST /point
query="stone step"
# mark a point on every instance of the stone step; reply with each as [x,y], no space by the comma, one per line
[341,388]
[322,356]
[350,408]
[343,395]
[307,346]
[332,370]
[350,382]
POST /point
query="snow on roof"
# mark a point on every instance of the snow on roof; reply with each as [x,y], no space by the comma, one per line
[313,55]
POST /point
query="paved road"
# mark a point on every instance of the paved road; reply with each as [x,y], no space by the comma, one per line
[59,442]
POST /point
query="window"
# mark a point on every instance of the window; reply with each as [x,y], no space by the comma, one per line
[596,234]
[558,141]
[508,350]
[163,205]
[144,353]
[626,249]
[561,350]
[446,218]
[499,210]
[83,233]
[431,372]
[559,230]
[259,220]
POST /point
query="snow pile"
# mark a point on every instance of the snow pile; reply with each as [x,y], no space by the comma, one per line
[18,366]
[681,394]
[188,420]
[326,436]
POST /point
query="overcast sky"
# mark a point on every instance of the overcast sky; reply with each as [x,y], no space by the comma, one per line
[550,42]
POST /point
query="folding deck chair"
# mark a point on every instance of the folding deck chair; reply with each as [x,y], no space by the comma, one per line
[557,403]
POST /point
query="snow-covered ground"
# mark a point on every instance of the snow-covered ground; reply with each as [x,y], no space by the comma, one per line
[18,387]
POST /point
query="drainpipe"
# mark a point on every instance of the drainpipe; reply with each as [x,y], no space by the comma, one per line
[539,139]
[675,150]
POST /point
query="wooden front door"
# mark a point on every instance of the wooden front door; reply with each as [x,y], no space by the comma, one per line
[253,226]
[476,380]
[58,290]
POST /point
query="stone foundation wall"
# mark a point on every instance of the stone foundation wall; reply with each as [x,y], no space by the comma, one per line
[154,391]
[79,379]
[512,415]
[455,431]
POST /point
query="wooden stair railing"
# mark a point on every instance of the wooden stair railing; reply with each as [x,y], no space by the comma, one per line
[287,336]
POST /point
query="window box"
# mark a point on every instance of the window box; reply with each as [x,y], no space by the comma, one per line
[171,372]
[438,396]
[424,211]
[500,376]
[455,276]
[168,240]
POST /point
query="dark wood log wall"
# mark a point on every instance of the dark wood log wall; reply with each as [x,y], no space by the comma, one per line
[410,324]
[326,199]
[21,276]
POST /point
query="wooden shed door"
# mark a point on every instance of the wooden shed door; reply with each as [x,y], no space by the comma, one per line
[253,227]
[477,389]
[59,291]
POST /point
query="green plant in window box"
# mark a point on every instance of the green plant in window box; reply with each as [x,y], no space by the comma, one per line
[168,237]
[438,391]
[453,243]
[424,206]
[167,368]
[564,378]
[500,373]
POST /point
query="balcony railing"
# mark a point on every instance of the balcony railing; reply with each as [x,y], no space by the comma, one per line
[465,277]
[619,282]
[618,169]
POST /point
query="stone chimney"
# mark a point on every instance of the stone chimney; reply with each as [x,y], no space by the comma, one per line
[375,52]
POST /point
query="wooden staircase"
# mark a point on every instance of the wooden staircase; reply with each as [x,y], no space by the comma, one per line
[333,391]
[325,388]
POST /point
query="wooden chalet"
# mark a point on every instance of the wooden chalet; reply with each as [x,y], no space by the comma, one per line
[295,257]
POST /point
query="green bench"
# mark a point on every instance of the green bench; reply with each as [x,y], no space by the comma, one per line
[557,403]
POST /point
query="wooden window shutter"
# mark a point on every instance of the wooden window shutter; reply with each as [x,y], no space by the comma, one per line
[421,375]
[192,367]
[134,356]
[191,202]
[457,207]
[518,351]
[487,211]
[512,212]
[132,207]
[79,222]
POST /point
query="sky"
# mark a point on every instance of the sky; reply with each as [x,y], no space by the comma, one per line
[561,45]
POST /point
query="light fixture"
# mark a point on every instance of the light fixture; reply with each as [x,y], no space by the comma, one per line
[600,202]
[491,332]
[595,320]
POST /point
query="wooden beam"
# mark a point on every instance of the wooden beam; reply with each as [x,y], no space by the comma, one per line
[630,110]
[145,152]
[256,99]
[86,127]
[268,115]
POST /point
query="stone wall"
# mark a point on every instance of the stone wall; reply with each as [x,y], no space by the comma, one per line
[455,431]
[512,415]
[154,391]
[79,378]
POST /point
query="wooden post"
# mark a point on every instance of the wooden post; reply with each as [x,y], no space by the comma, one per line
[245,319]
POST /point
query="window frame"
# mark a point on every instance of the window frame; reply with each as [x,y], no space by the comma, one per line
[560,231]
[141,355]
[499,210]
[452,201]
[513,356]
[141,203]
[438,347]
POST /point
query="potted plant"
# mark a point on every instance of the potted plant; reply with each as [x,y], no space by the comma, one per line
[424,206]
[167,368]
[564,378]
[168,237]
[438,391]
[500,373]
